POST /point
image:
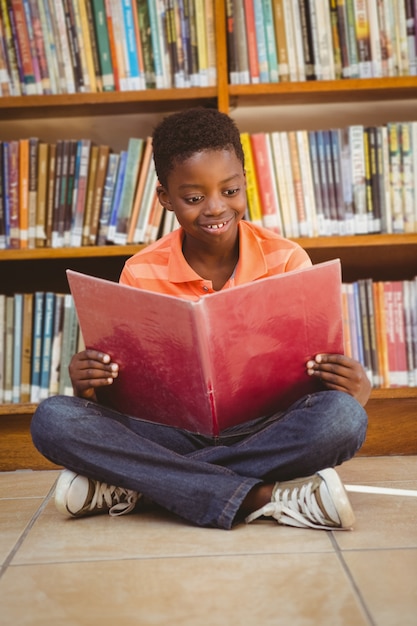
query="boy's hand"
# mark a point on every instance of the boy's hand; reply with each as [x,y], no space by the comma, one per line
[341,373]
[91,369]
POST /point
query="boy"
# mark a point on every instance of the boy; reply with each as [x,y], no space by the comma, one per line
[279,465]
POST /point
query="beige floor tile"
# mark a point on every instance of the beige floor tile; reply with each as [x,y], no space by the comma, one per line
[26,484]
[154,534]
[382,521]
[14,518]
[244,590]
[370,470]
[387,580]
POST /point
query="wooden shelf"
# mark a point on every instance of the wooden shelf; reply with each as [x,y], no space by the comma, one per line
[355,241]
[104,103]
[327,91]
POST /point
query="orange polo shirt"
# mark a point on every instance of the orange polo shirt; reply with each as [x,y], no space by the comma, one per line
[161,266]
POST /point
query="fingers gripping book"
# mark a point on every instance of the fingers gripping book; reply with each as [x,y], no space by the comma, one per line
[224,359]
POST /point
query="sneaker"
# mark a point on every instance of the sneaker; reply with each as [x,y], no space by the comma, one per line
[77,495]
[319,501]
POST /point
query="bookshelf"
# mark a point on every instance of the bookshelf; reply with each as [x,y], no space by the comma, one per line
[115,116]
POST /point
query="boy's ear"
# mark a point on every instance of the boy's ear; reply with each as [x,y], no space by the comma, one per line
[163,197]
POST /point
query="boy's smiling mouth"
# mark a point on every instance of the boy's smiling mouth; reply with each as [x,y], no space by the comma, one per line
[215,226]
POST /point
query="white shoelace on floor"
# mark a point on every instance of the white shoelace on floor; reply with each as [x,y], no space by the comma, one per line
[118,500]
[299,507]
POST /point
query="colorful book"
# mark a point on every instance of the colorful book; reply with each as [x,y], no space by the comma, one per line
[37,335]
[69,344]
[17,346]
[103,46]
[106,202]
[121,320]
[26,351]
[143,174]
[134,155]
[268,193]
[252,190]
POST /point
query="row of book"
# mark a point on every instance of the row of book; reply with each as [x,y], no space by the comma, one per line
[270,41]
[69,46]
[75,193]
[380,329]
[39,334]
[355,180]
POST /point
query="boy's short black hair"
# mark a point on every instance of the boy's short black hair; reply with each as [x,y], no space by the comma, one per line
[182,134]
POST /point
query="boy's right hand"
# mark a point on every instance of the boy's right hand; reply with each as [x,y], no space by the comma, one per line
[91,369]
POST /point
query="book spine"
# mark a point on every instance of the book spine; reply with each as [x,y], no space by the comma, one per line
[2,343]
[211,42]
[47,336]
[297,183]
[135,81]
[292,228]
[146,207]
[17,346]
[89,199]
[103,158]
[156,46]
[103,46]
[324,181]
[342,27]
[2,202]
[363,39]
[134,154]
[408,191]
[375,39]
[337,167]
[324,39]
[32,189]
[410,24]
[11,51]
[252,191]
[56,347]
[290,40]
[352,42]
[78,214]
[337,46]
[261,42]
[13,194]
[298,41]
[241,44]
[8,350]
[375,180]
[307,38]
[23,192]
[267,191]
[26,352]
[106,203]
[334,217]
[314,159]
[94,44]
[116,196]
[20,32]
[395,177]
[307,182]
[69,77]
[281,182]
[252,42]
[50,194]
[401,39]
[39,46]
[38,313]
[70,191]
[69,344]
[41,200]
[270,42]
[358,178]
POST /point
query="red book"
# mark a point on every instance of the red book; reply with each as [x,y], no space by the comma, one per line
[224,359]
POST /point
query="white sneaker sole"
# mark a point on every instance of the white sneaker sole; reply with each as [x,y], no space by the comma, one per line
[63,485]
[339,497]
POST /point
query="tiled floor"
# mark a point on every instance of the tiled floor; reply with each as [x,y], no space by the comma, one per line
[153,569]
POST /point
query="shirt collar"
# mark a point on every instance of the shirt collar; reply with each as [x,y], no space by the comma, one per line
[251,265]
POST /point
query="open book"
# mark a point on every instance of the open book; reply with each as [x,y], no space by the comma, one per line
[210,364]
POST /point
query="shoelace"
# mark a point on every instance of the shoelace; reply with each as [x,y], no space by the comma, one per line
[296,507]
[118,500]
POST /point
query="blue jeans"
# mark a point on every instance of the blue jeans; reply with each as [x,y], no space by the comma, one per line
[202,479]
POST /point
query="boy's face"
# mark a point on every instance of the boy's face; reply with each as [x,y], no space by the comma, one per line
[207,192]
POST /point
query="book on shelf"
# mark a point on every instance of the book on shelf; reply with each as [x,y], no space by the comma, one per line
[56,346]
[121,172]
[8,350]
[268,192]
[133,162]
[50,194]
[69,344]
[32,200]
[89,198]
[241,46]
[143,174]
[17,346]
[336,43]
[252,191]
[80,191]
[26,351]
[2,343]
[196,395]
[106,202]
[149,197]
[47,337]
[37,336]
[98,190]
[103,45]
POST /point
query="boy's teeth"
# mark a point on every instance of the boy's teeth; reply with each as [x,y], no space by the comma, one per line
[216,225]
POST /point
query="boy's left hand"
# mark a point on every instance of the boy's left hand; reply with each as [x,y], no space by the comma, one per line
[341,373]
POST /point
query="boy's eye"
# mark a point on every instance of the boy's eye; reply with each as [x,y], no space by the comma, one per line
[231,192]
[193,199]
